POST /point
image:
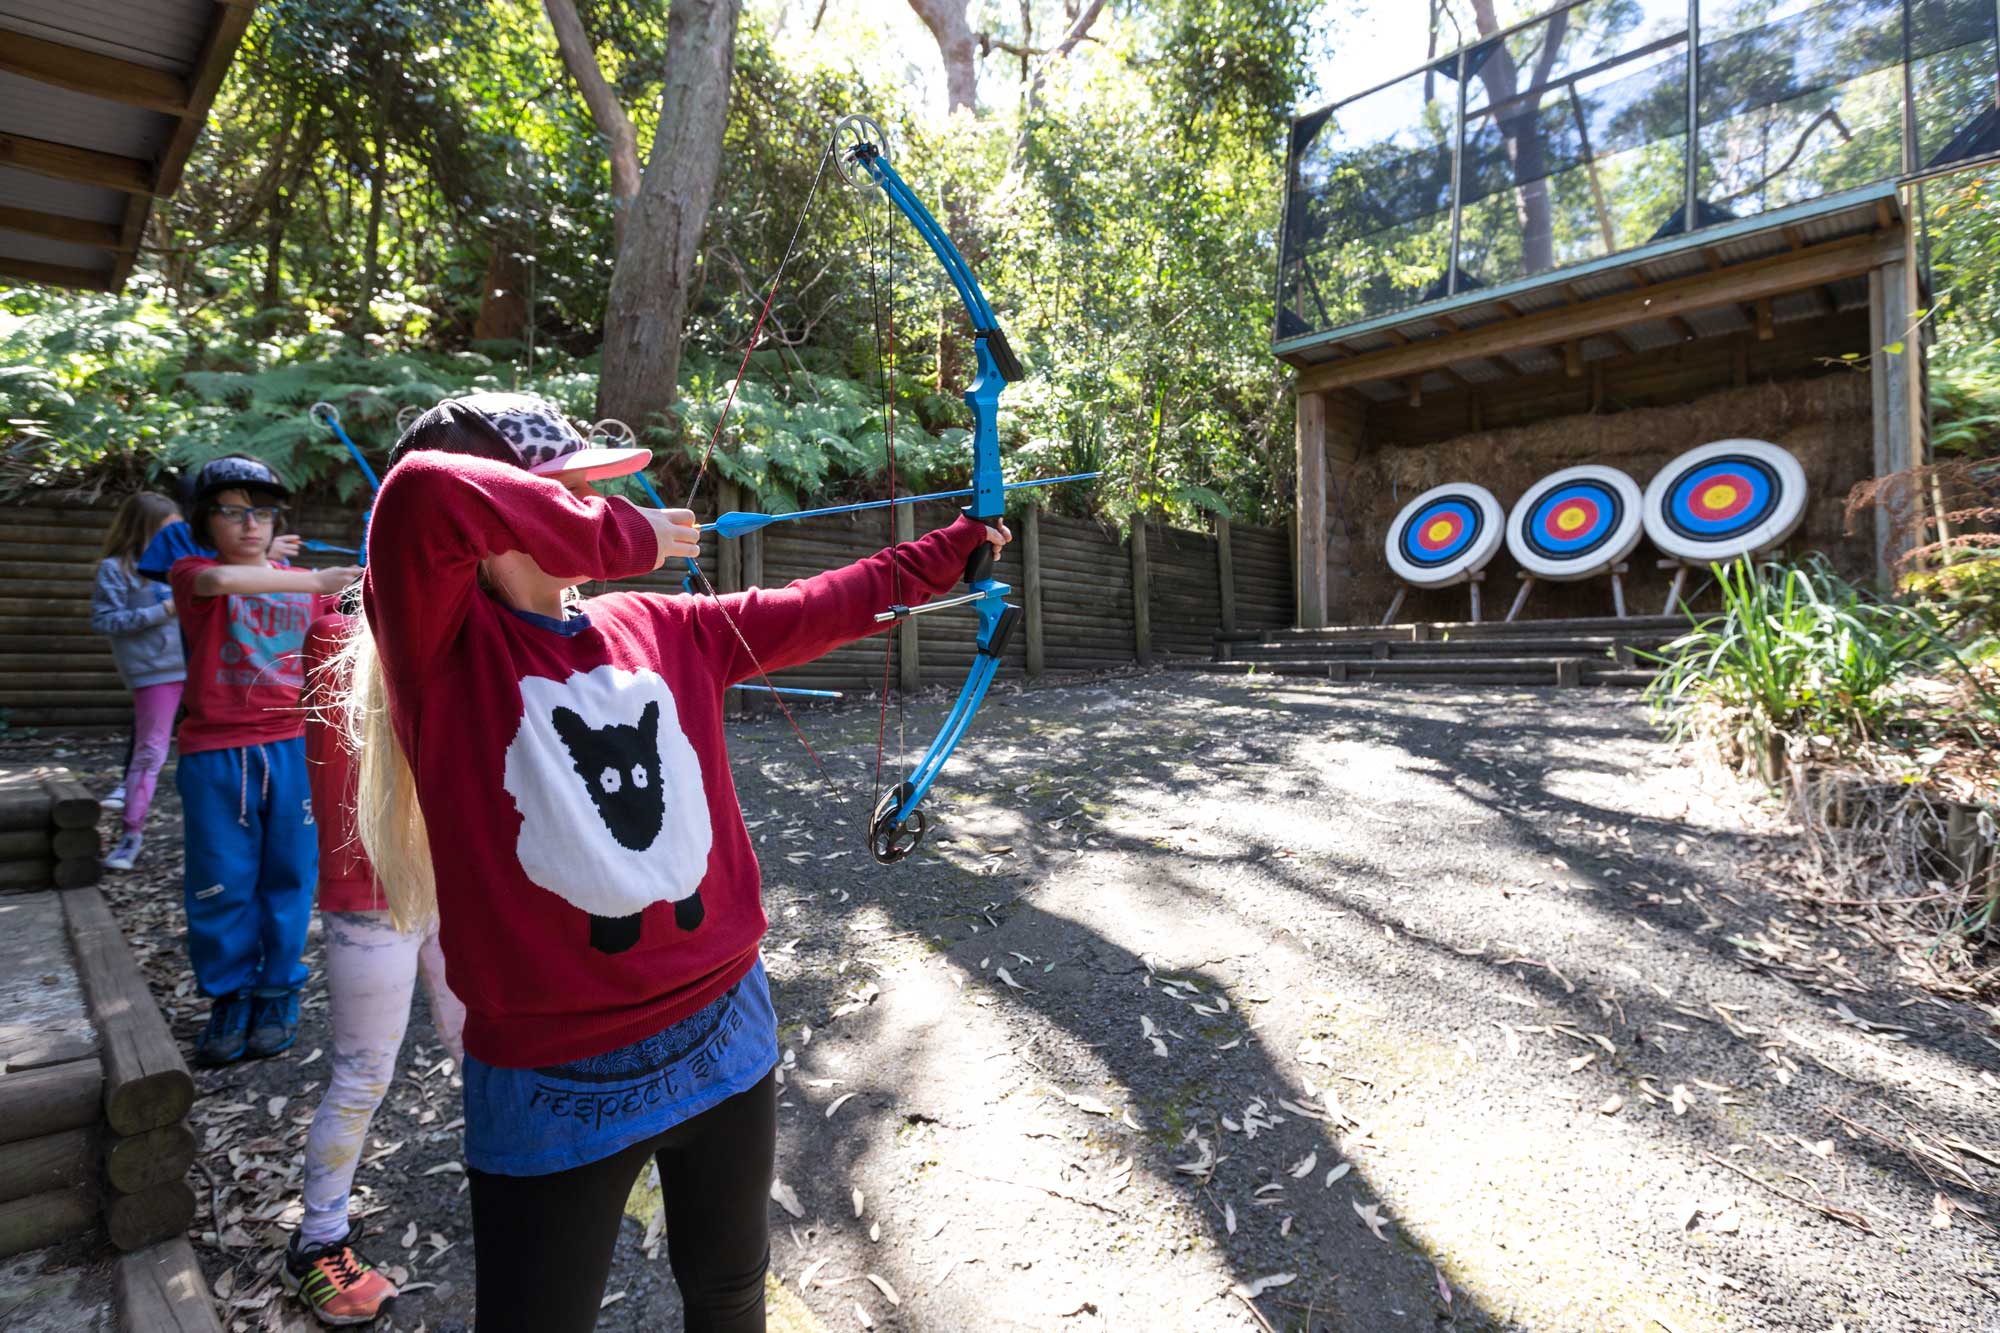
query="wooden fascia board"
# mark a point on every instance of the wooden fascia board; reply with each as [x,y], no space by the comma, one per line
[93,74]
[1770,276]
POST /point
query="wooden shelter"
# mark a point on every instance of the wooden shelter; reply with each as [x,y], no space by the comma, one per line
[1485,259]
[100,104]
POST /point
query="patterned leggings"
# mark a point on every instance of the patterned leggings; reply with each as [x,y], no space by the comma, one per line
[371,972]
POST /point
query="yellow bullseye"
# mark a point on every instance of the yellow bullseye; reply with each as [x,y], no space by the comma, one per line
[1439,530]
[1569,520]
[1719,496]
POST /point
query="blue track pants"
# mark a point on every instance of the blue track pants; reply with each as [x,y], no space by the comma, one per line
[251,865]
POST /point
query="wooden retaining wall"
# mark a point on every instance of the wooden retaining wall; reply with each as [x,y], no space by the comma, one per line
[94,1093]
[1094,599]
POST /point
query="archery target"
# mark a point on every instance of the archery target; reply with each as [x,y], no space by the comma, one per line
[1445,534]
[1576,523]
[1718,501]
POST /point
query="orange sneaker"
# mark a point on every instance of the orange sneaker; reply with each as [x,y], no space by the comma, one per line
[336,1283]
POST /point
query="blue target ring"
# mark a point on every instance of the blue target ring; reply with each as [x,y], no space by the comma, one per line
[1440,532]
[1445,534]
[1721,500]
[1576,523]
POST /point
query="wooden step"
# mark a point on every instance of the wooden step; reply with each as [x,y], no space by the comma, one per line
[1459,670]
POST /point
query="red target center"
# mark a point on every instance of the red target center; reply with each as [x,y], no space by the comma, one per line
[1570,518]
[1440,531]
[1724,495]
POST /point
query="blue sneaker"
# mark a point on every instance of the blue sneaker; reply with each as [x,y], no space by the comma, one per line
[274,1022]
[226,1037]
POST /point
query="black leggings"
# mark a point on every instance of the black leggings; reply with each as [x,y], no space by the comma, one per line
[542,1245]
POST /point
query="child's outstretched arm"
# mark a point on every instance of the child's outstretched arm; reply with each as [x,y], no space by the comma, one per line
[438,515]
[249,580]
[786,626]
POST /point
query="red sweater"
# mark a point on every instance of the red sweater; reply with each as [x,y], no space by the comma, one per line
[595,880]
[346,880]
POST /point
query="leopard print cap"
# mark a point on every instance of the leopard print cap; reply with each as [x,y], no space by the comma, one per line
[533,426]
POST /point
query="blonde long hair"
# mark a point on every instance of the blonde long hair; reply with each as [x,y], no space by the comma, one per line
[387,817]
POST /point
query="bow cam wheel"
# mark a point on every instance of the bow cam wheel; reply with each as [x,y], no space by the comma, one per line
[888,840]
[852,135]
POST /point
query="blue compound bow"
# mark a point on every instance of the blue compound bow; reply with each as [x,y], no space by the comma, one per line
[858,147]
[326,414]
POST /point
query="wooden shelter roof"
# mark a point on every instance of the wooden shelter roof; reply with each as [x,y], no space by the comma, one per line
[100,104]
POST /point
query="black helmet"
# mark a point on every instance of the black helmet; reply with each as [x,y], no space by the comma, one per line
[232,470]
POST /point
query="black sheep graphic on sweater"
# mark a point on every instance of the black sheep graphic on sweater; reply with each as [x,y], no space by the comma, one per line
[620,768]
[613,806]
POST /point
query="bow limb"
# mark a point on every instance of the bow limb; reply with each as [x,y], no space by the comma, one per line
[898,823]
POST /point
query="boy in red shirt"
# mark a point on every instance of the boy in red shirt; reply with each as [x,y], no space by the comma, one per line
[550,778]
[250,859]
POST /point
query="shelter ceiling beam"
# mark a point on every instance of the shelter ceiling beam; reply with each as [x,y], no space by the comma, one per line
[1732,285]
[57,227]
[55,275]
[85,165]
[103,76]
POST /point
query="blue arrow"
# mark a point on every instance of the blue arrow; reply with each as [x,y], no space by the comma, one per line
[736,523]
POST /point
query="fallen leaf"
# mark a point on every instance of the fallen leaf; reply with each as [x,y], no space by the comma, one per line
[1682,1099]
[859,1200]
[1337,1173]
[787,1197]
[1581,1062]
[1305,1166]
[861,1316]
[410,1235]
[839,1102]
[812,1271]
[888,1292]
[1940,1212]
[1088,1105]
[1229,1218]
[1256,1287]
[1611,1105]
[1002,973]
[1372,1215]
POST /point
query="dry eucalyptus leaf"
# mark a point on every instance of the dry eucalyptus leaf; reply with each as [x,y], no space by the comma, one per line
[888,1292]
[1611,1105]
[1304,1166]
[787,1197]
[861,1316]
[409,1235]
[1256,1287]
[812,1271]
[839,1102]
[859,1200]
[1229,1218]
[1372,1215]
[1337,1173]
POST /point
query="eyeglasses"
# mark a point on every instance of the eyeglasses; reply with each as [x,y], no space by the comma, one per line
[262,516]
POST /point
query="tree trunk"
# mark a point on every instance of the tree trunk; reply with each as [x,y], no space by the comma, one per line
[371,264]
[272,292]
[1516,114]
[621,141]
[652,280]
[946,20]
[503,294]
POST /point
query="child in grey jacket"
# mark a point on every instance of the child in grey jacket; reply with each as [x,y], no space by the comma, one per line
[138,615]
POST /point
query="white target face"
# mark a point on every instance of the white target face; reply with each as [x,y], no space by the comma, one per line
[1718,501]
[1445,534]
[1576,523]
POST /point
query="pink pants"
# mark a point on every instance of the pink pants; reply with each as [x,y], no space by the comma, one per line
[153,708]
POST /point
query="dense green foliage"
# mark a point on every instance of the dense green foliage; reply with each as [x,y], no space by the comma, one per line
[397,200]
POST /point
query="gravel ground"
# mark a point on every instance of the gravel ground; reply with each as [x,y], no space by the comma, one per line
[1219,1003]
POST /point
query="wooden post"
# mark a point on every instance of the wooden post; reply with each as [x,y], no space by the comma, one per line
[1225,574]
[1473,582]
[729,559]
[909,669]
[728,554]
[1142,594]
[43,1219]
[1031,584]
[1896,378]
[1389,616]
[1311,549]
[1618,588]
[1521,597]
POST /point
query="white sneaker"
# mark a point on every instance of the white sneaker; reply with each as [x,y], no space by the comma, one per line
[116,800]
[126,852]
